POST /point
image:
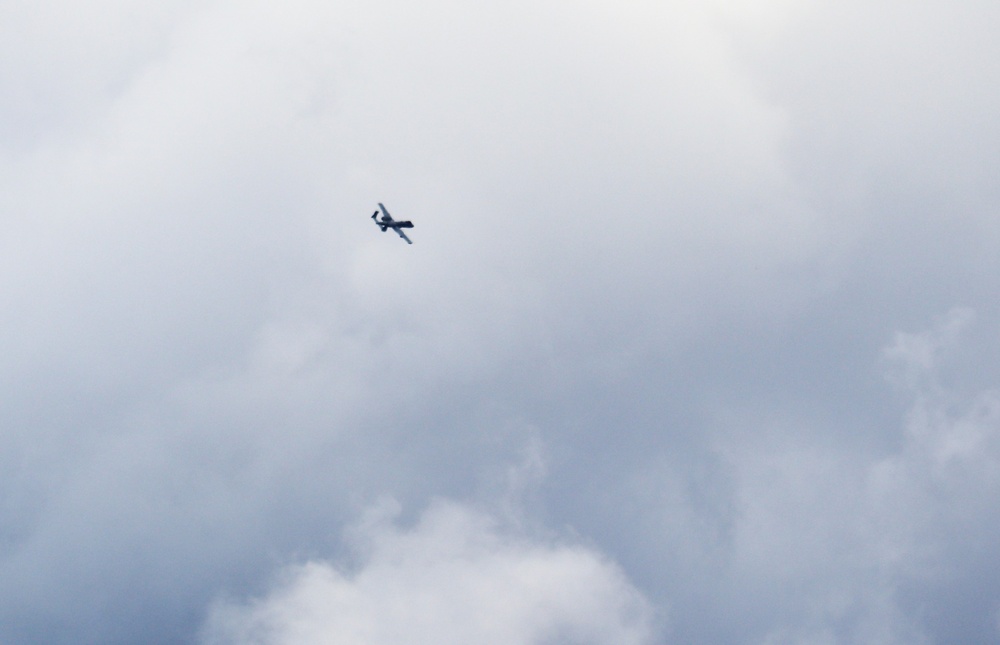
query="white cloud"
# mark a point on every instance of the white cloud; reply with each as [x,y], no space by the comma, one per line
[454,578]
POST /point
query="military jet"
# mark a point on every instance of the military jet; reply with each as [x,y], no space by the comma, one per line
[387,222]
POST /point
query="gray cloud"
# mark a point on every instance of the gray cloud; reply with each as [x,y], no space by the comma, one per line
[678,246]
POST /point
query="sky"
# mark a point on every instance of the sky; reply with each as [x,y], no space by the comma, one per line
[697,341]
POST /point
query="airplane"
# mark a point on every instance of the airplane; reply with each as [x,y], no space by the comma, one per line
[387,222]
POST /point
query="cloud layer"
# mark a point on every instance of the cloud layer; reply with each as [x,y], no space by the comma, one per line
[711,284]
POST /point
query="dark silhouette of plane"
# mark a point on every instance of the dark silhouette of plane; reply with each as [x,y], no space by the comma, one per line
[387,222]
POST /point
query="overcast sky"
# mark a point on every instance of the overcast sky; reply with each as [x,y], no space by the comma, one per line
[698,340]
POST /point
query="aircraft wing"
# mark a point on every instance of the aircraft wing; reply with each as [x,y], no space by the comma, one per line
[386,217]
[403,235]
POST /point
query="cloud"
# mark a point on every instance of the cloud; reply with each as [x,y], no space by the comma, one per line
[454,577]
[671,241]
[850,546]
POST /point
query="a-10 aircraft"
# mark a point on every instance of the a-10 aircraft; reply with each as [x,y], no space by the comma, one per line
[387,222]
